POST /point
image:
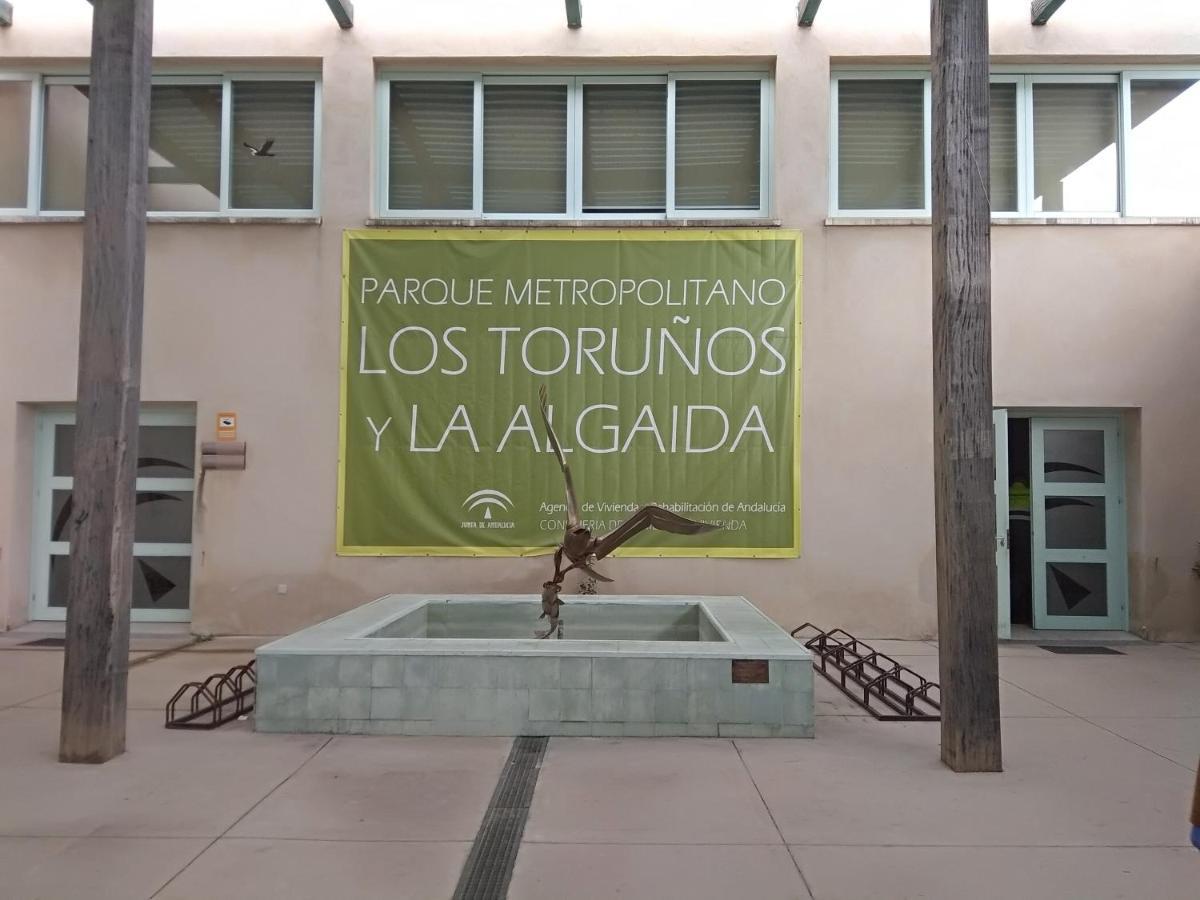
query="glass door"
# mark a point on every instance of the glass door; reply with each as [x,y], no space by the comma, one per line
[162,537]
[1078,518]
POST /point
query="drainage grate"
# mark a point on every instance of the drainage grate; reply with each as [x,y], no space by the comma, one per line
[489,866]
[46,642]
[1081,649]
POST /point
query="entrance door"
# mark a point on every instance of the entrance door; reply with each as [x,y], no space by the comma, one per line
[162,537]
[1078,516]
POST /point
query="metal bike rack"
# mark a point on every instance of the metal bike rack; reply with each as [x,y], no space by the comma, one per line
[889,691]
[218,699]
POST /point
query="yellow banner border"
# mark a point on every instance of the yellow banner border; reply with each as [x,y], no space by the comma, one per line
[568,234]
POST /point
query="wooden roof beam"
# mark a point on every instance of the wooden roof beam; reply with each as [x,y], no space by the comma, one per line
[1041,10]
[808,12]
[574,13]
[343,11]
[5,13]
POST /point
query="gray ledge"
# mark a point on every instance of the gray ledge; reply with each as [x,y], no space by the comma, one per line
[53,219]
[573,223]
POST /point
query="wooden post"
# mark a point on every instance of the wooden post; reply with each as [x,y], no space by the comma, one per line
[964,445]
[110,351]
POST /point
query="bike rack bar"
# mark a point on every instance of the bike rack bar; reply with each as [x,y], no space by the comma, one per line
[220,698]
[870,678]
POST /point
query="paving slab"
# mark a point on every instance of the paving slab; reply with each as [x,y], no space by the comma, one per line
[1175,738]
[1001,873]
[167,783]
[27,674]
[1156,683]
[1066,782]
[385,789]
[95,868]
[242,869]
[1014,700]
[152,683]
[602,871]
[657,790]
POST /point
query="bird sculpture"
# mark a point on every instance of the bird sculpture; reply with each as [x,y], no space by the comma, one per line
[264,150]
[580,549]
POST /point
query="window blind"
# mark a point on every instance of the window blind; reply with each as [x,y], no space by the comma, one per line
[881,144]
[524,148]
[431,145]
[624,148]
[1075,147]
[717,144]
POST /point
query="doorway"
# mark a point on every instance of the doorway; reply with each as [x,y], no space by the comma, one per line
[1061,543]
[162,549]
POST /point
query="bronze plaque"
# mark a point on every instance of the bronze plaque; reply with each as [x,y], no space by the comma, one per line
[751,671]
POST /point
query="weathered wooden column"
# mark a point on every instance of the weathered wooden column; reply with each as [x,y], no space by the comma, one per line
[964,445]
[110,352]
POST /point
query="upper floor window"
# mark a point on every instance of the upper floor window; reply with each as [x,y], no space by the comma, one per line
[1061,144]
[218,145]
[681,145]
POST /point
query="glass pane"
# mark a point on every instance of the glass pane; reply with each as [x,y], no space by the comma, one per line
[15,98]
[1163,162]
[272,145]
[163,517]
[525,148]
[1074,456]
[185,148]
[718,127]
[624,147]
[159,516]
[431,145]
[64,449]
[1002,126]
[881,144]
[64,137]
[166,451]
[1076,589]
[59,573]
[60,515]
[1075,147]
[1075,523]
[159,582]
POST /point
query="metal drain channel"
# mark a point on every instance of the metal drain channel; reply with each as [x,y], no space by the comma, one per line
[489,865]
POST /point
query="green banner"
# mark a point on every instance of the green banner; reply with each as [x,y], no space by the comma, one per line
[672,361]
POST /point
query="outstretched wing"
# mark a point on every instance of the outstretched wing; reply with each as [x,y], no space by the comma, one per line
[649,517]
[267,145]
[572,502]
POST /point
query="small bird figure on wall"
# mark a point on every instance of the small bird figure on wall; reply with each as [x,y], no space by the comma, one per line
[264,150]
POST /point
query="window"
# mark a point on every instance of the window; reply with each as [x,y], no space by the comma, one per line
[16,100]
[1163,146]
[1061,144]
[163,513]
[219,145]
[881,144]
[654,146]
[1074,146]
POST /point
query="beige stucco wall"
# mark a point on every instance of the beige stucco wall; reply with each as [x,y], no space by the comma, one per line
[246,317]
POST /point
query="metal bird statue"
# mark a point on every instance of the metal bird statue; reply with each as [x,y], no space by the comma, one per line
[580,548]
[264,150]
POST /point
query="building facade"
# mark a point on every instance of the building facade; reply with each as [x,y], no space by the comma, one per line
[674,115]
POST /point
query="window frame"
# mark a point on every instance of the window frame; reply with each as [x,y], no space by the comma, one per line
[921,75]
[1128,76]
[575,80]
[1028,148]
[34,202]
[33,164]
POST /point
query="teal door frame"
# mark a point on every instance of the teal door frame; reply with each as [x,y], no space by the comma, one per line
[1003,588]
